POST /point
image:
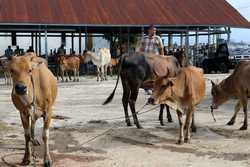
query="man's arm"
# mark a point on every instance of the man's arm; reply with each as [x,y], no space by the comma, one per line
[161,51]
[142,45]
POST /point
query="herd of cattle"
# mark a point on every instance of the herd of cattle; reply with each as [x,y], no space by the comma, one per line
[175,84]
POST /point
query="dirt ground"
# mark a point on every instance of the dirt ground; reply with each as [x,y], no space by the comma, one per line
[81,117]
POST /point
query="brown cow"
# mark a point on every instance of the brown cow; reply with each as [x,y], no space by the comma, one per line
[4,69]
[112,65]
[184,91]
[69,63]
[235,86]
[33,94]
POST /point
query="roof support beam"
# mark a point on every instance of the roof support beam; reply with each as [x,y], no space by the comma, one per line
[46,43]
[40,44]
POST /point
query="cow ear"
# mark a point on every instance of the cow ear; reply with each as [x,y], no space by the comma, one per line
[35,63]
[213,84]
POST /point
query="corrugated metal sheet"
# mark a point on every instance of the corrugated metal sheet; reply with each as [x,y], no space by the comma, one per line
[121,12]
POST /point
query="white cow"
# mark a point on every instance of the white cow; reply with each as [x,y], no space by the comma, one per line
[101,59]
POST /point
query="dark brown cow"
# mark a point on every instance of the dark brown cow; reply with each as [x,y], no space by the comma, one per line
[134,70]
[183,93]
[237,85]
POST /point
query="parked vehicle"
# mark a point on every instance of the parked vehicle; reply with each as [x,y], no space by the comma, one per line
[218,61]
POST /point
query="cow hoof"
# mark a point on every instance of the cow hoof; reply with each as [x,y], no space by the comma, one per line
[25,162]
[180,142]
[230,123]
[170,120]
[47,163]
[161,122]
[139,127]
[35,142]
[243,128]
[194,129]
[186,140]
[129,124]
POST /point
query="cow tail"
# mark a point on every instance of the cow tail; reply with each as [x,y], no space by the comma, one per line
[111,96]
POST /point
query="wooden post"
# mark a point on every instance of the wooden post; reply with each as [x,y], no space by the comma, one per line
[128,40]
[196,46]
[181,40]
[46,43]
[32,40]
[36,43]
[228,34]
[72,42]
[40,47]
[170,41]
[80,42]
[208,42]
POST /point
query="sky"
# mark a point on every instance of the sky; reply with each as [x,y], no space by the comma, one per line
[243,6]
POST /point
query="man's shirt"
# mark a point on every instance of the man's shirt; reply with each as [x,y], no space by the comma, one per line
[152,44]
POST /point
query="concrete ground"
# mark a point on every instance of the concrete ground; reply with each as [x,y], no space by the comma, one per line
[82,117]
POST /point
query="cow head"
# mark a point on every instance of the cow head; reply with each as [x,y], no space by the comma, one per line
[86,57]
[21,69]
[61,59]
[162,90]
[219,95]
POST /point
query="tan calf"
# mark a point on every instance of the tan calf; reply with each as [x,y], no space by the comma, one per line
[33,94]
[184,91]
[69,63]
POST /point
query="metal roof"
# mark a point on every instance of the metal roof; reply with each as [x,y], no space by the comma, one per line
[121,13]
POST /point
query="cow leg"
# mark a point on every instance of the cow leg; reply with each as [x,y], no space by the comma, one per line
[188,125]
[161,114]
[169,117]
[26,125]
[193,126]
[98,73]
[57,72]
[75,75]
[67,75]
[244,103]
[34,141]
[5,79]
[102,73]
[111,70]
[236,110]
[78,75]
[125,98]
[181,137]
[106,72]
[62,74]
[47,119]
[132,100]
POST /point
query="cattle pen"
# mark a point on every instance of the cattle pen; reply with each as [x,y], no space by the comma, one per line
[85,133]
